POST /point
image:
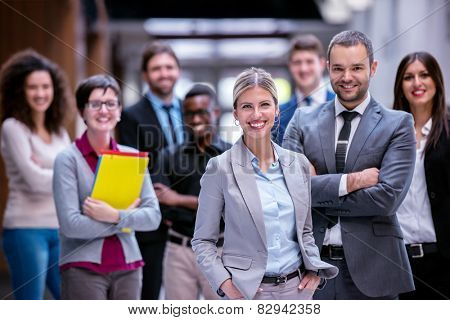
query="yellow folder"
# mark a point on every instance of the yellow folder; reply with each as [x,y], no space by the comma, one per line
[119,178]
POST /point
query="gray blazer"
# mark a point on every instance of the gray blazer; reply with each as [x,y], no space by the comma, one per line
[228,190]
[81,236]
[371,235]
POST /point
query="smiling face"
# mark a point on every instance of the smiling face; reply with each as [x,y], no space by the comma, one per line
[162,73]
[350,73]
[418,86]
[39,91]
[256,110]
[103,119]
[199,116]
[306,68]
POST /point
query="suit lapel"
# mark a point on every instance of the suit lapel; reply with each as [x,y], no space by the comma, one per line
[326,133]
[151,124]
[330,95]
[244,175]
[292,177]
[293,102]
[368,122]
[288,111]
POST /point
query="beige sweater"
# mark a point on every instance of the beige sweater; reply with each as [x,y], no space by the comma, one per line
[30,200]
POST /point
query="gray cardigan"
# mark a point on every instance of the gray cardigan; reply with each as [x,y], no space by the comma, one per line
[81,236]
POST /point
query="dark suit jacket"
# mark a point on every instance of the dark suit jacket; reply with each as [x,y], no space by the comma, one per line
[371,234]
[437,174]
[140,129]
[287,111]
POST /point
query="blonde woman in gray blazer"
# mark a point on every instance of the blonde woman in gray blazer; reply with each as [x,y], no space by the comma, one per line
[263,193]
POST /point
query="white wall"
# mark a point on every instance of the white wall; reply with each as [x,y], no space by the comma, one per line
[399,27]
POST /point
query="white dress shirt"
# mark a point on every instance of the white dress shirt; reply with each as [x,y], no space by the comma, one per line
[333,235]
[318,96]
[414,214]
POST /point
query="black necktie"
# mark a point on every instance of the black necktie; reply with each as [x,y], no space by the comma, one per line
[341,150]
[308,100]
[167,108]
[342,143]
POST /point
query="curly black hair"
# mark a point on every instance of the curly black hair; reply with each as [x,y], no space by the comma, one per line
[13,102]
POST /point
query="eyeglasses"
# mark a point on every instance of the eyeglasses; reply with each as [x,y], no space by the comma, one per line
[97,104]
[201,113]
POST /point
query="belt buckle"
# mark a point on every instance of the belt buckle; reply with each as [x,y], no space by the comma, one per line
[281,280]
[330,253]
[417,245]
[187,242]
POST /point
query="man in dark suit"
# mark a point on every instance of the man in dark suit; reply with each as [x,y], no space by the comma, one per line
[364,157]
[306,64]
[152,124]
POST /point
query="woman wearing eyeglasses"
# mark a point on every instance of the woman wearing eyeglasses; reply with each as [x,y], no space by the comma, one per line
[33,102]
[98,259]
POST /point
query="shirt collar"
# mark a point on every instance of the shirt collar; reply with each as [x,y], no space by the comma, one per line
[339,108]
[318,96]
[85,147]
[427,127]
[158,103]
[217,144]
[255,160]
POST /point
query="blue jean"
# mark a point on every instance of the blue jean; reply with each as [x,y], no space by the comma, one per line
[32,256]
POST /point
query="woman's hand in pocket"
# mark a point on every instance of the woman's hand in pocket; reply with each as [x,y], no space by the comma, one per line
[310,281]
[230,290]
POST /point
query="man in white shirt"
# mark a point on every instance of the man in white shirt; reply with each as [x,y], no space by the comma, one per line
[364,157]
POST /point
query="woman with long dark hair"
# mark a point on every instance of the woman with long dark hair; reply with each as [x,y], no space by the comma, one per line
[425,213]
[33,104]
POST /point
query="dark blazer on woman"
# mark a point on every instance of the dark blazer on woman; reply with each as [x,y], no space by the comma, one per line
[437,174]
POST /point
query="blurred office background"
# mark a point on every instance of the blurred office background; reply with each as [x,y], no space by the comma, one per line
[214,41]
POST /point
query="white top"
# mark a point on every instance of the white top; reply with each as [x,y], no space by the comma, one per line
[30,200]
[318,96]
[333,235]
[414,214]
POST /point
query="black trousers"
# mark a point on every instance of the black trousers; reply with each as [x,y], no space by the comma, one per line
[431,278]
[152,254]
[342,287]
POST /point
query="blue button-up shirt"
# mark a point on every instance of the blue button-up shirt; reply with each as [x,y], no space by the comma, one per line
[175,116]
[279,219]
